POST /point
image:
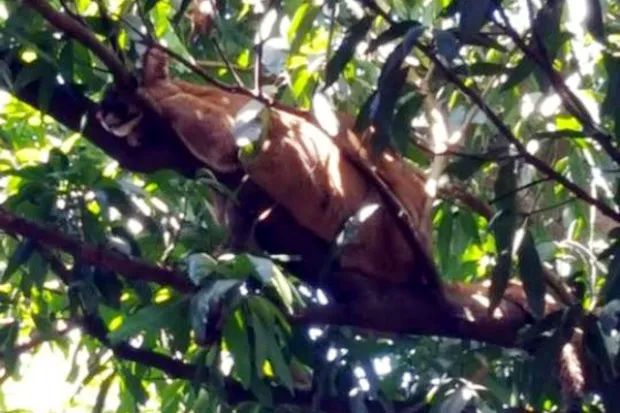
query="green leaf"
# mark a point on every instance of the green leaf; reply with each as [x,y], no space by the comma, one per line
[181,12]
[235,334]
[302,24]
[598,345]
[207,307]
[481,69]
[260,343]
[102,394]
[29,74]
[465,167]
[134,386]
[58,160]
[474,15]
[395,31]
[409,108]
[270,274]
[519,73]
[444,237]
[37,272]
[611,104]
[346,50]
[280,366]
[149,318]
[594,20]
[531,273]
[200,266]
[149,4]
[6,77]
[66,61]
[20,256]
[505,187]
[109,285]
[391,81]
[504,227]
[611,290]
[8,341]
[447,44]
[362,121]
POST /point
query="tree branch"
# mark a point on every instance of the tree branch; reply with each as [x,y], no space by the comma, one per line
[536,162]
[75,111]
[71,27]
[101,257]
[570,101]
[37,339]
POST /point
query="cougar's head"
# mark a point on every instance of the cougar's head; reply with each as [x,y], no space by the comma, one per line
[119,115]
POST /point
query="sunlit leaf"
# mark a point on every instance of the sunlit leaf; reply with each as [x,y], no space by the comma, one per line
[301,24]
[149,319]
[200,266]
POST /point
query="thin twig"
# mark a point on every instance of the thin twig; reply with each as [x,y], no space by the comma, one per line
[38,339]
[73,28]
[70,12]
[108,26]
[210,64]
[489,156]
[571,102]
[229,66]
[538,163]
[145,20]
[518,189]
[551,207]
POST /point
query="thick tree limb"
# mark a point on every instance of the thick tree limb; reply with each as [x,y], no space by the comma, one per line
[414,312]
[101,257]
[75,111]
[73,28]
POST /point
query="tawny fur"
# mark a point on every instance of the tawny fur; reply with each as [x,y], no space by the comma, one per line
[301,168]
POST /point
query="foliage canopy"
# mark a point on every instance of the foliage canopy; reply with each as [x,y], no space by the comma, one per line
[511,106]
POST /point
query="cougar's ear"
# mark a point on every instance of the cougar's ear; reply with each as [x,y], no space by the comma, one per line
[155,66]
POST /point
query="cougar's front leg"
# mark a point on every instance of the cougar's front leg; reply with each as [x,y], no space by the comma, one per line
[360,301]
